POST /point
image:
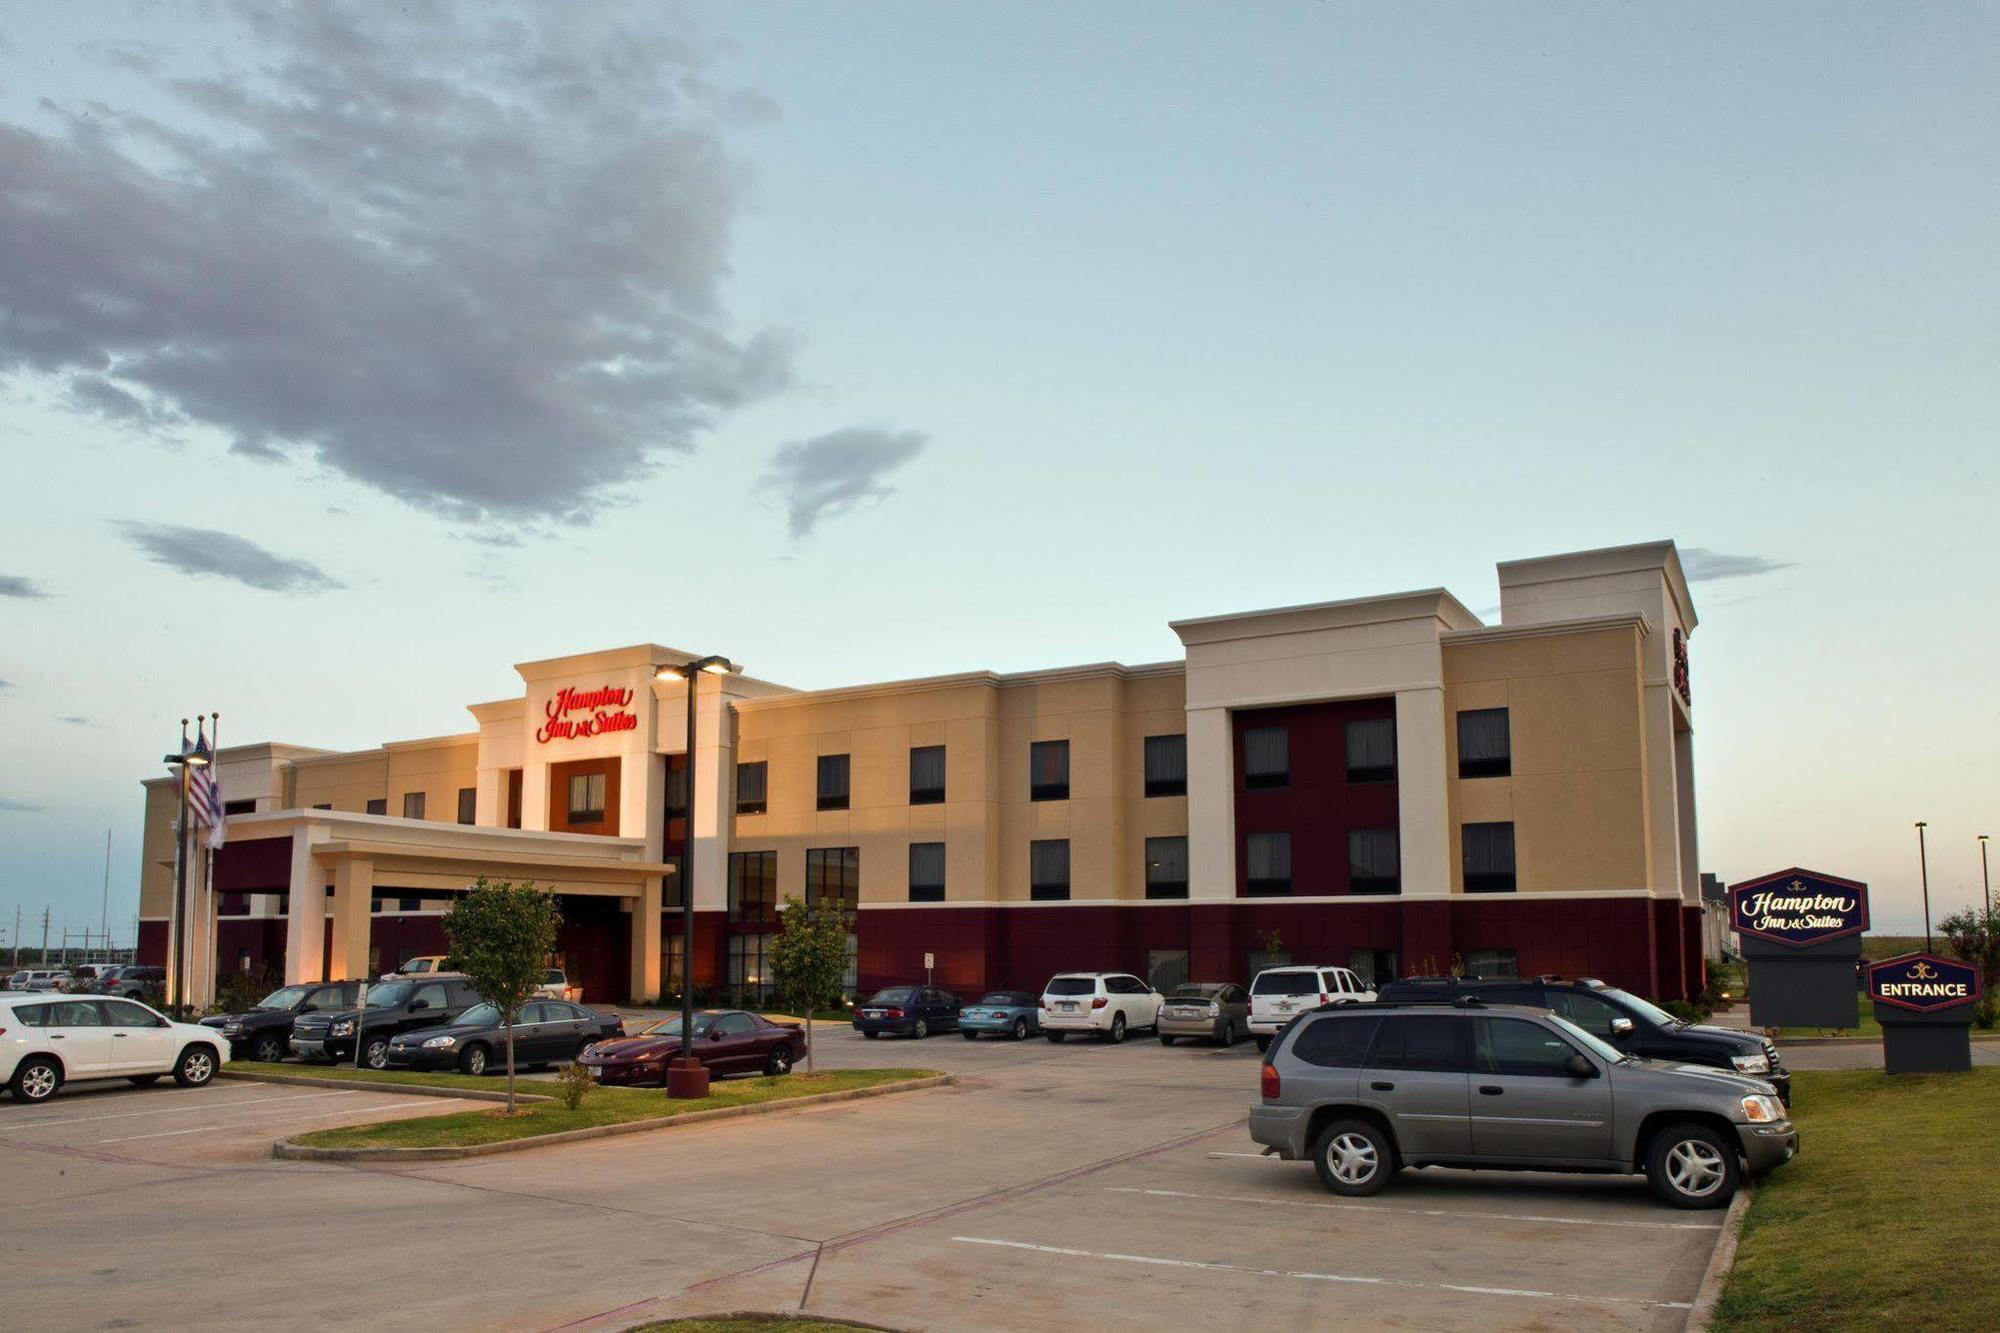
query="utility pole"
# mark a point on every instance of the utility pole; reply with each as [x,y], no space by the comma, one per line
[104,922]
[17,938]
[45,937]
[1984,879]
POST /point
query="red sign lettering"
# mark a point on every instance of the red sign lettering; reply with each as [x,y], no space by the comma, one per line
[603,709]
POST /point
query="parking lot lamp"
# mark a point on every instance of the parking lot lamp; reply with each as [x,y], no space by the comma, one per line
[685,1075]
[1984,881]
[1924,870]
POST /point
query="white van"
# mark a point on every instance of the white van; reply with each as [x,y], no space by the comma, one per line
[1280,994]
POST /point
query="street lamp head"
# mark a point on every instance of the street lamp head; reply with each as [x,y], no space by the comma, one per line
[719,666]
[710,666]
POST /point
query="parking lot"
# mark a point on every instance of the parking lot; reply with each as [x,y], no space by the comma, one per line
[1081,1182]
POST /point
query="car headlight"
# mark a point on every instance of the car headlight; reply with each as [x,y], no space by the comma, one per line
[1751,1064]
[342,1029]
[436,1042]
[232,1027]
[1761,1110]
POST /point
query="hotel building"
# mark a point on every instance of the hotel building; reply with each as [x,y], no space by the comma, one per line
[1383,782]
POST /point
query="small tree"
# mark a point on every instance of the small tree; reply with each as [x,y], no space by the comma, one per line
[1973,937]
[501,936]
[808,960]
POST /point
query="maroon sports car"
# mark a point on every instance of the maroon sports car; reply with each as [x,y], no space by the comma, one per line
[726,1041]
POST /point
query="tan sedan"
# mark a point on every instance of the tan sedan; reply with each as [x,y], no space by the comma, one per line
[1217,1011]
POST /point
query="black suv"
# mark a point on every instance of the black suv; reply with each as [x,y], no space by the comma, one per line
[264,1032]
[393,1007]
[1633,1025]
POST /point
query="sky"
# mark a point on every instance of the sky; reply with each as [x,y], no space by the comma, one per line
[350,354]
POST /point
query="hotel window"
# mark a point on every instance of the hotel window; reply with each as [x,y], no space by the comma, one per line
[246,807]
[671,885]
[833,876]
[926,872]
[1485,749]
[1048,771]
[751,787]
[413,805]
[378,805]
[1048,869]
[1373,865]
[468,805]
[1267,757]
[753,887]
[927,775]
[1489,857]
[833,773]
[1492,963]
[1371,750]
[670,965]
[1166,867]
[586,798]
[748,972]
[324,805]
[1166,765]
[850,976]
[677,786]
[1269,861]
[409,904]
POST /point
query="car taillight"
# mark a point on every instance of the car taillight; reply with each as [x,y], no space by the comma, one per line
[892,1013]
[1269,1083]
[1324,998]
[1099,1002]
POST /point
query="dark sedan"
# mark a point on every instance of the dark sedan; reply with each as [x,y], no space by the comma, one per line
[726,1041]
[907,1011]
[547,1031]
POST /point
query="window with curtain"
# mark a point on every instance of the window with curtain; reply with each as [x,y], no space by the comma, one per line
[1489,857]
[586,798]
[1485,749]
[1268,859]
[1048,771]
[1167,867]
[833,775]
[413,805]
[378,805]
[927,775]
[1373,865]
[1267,757]
[1048,869]
[1371,749]
[833,876]
[1166,765]
[753,887]
[750,787]
[926,872]
[468,805]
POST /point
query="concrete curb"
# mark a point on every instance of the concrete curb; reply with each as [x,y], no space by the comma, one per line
[287,1151]
[413,1089]
[1863,1041]
[1720,1260]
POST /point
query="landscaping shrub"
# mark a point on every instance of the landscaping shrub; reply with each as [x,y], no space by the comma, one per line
[573,1084]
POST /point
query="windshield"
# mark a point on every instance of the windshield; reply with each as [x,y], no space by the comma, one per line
[671,1027]
[390,992]
[1597,1046]
[894,995]
[553,977]
[1005,997]
[1073,986]
[1287,983]
[285,997]
[1651,1012]
[1194,992]
[480,1016]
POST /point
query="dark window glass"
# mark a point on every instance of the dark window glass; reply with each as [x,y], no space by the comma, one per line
[926,872]
[1071,986]
[1269,862]
[328,805]
[1489,858]
[409,904]
[927,775]
[468,805]
[1485,750]
[1408,1041]
[1337,1042]
[749,971]
[433,995]
[1048,771]
[244,807]
[671,886]
[1167,867]
[378,805]
[1586,1011]
[1166,765]
[1371,750]
[586,798]
[1373,865]
[413,805]
[750,787]
[833,876]
[677,787]
[1048,869]
[1516,1046]
[1492,963]
[33,1015]
[125,1014]
[753,887]
[536,1013]
[833,771]
[1267,757]
[1285,983]
[735,1025]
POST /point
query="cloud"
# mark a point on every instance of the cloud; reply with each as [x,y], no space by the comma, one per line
[6,685]
[471,259]
[206,552]
[1702,565]
[829,475]
[9,805]
[13,585]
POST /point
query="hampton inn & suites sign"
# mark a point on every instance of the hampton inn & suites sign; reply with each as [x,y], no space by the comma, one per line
[1799,908]
[573,713]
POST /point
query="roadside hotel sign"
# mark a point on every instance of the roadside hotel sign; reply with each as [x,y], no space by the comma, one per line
[1924,1003]
[573,713]
[1801,935]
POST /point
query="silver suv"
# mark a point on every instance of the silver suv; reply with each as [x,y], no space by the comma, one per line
[1366,1091]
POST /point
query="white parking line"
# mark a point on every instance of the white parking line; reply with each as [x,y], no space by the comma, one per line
[1322,1277]
[179,1110]
[1424,1212]
[206,1129]
[1272,1156]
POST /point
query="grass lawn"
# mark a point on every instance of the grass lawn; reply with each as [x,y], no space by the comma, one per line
[604,1106]
[495,1082]
[1867,1027]
[1885,1219]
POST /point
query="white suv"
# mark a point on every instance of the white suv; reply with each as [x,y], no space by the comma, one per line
[47,1040]
[1100,1004]
[1280,994]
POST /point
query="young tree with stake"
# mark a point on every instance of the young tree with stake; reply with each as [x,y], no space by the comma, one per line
[501,936]
[808,960]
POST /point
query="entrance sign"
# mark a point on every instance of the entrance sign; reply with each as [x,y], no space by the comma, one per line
[1924,1004]
[1923,982]
[605,709]
[1799,908]
[1801,936]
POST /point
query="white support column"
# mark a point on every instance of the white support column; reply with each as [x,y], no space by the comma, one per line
[640,805]
[1211,795]
[305,913]
[646,941]
[712,763]
[534,795]
[1423,813]
[489,806]
[353,894]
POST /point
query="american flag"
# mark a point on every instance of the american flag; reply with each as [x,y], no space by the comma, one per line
[205,793]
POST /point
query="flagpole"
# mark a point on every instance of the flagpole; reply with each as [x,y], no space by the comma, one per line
[211,913]
[177,916]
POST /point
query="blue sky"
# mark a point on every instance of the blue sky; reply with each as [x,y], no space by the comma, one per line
[1018,331]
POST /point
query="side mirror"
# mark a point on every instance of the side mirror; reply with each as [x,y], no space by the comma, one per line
[419,1004]
[1622,1027]
[1578,1067]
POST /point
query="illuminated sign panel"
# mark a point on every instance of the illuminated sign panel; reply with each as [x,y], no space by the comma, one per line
[573,713]
[1799,908]
[1923,982]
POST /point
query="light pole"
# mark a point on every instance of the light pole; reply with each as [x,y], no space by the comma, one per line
[1984,881]
[686,1077]
[1924,869]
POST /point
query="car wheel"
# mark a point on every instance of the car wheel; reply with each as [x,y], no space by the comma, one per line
[1263,1043]
[779,1061]
[1354,1158]
[1020,1029]
[1055,1037]
[921,1030]
[268,1048]
[142,1080]
[1117,1033]
[36,1080]
[1166,1040]
[968,1034]
[1228,1034]
[375,1053]
[196,1067]
[871,1035]
[472,1060]
[1692,1166]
